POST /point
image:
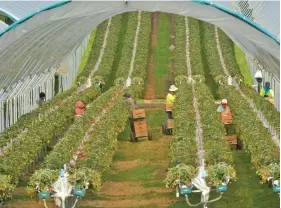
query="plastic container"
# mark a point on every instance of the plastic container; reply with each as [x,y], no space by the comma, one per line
[79,192]
[44,195]
[185,190]
[221,188]
[276,189]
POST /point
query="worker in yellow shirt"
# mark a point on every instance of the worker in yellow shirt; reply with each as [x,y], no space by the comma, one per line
[171,97]
[267,92]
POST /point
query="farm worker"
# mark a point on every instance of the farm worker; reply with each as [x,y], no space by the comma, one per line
[223,107]
[71,165]
[99,84]
[130,100]
[267,92]
[79,108]
[42,98]
[171,97]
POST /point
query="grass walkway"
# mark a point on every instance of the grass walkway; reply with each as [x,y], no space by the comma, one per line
[243,66]
[162,56]
[136,178]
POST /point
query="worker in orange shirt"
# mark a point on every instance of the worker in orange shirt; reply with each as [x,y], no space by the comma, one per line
[80,108]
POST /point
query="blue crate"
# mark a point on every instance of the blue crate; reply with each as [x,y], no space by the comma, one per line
[221,188]
[186,190]
[276,189]
[44,195]
[79,192]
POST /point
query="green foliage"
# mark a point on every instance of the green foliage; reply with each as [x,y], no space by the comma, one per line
[94,55]
[6,187]
[194,47]
[269,111]
[44,179]
[255,137]
[30,119]
[183,147]
[141,58]
[181,172]
[86,55]
[38,137]
[212,54]
[127,51]
[180,50]
[227,48]
[215,146]
[243,65]
[218,173]
[6,19]
[85,178]
[272,170]
[101,143]
[105,66]
[64,149]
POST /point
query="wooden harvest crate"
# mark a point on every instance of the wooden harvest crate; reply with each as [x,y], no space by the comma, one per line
[140,128]
[170,123]
[139,113]
[169,107]
[231,139]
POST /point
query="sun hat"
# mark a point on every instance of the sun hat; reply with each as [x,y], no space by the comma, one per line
[224,101]
[173,88]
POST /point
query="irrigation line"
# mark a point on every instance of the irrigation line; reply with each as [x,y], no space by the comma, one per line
[266,124]
[102,49]
[91,128]
[88,83]
[128,82]
[199,132]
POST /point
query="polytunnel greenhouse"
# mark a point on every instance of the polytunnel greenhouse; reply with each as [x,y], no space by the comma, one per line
[140,104]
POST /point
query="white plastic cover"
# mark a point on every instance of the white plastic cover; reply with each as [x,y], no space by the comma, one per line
[46,39]
[62,188]
[3,25]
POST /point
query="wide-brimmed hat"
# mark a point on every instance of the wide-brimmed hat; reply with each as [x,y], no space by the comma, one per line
[173,88]
[224,101]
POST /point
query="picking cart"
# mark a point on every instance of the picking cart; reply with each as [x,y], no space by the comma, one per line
[167,128]
[139,126]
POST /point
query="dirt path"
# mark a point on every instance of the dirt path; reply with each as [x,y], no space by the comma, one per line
[150,87]
[172,51]
[137,175]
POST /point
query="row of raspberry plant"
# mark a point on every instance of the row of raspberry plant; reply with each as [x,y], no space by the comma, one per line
[141,58]
[213,60]
[30,119]
[35,139]
[62,152]
[255,137]
[105,66]
[216,147]
[269,111]
[94,55]
[128,47]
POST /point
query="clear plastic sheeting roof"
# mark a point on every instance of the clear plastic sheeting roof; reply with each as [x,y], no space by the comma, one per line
[3,25]
[46,39]
[264,13]
[21,9]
